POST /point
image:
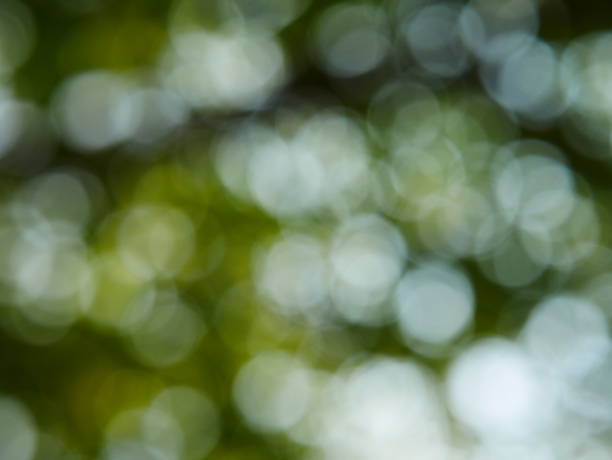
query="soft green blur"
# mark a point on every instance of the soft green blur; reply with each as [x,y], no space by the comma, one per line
[302,229]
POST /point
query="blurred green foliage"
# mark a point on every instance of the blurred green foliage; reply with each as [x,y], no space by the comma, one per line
[154,259]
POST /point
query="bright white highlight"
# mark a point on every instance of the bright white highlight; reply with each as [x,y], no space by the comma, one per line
[434,304]
[567,335]
[494,389]
[384,409]
[235,69]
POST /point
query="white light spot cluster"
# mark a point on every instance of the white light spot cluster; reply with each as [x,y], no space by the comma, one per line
[385,408]
[322,165]
[355,270]
[236,69]
[45,261]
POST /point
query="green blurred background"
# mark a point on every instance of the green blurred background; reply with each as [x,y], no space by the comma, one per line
[215,214]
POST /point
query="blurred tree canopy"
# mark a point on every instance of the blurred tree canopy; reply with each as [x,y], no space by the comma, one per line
[302,229]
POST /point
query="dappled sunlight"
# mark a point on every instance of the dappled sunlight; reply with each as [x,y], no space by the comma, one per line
[287,229]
